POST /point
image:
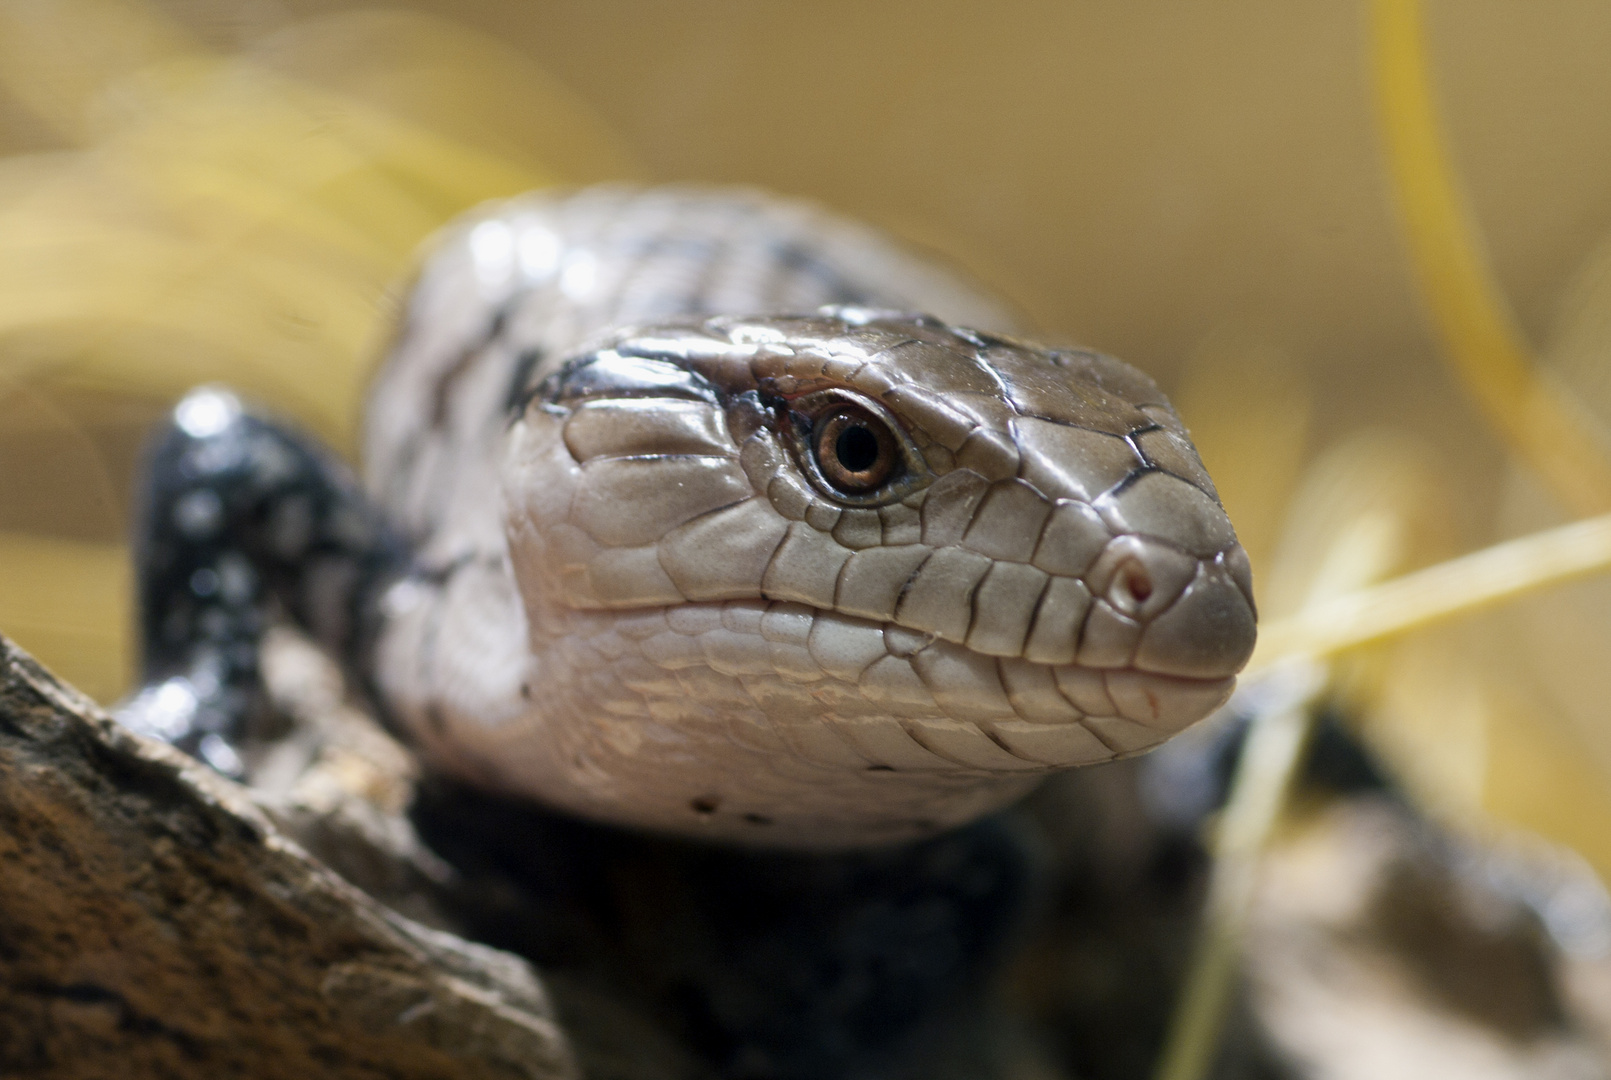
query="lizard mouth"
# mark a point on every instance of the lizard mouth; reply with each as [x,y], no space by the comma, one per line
[862,694]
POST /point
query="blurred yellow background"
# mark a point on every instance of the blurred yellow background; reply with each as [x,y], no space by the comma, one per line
[232,189]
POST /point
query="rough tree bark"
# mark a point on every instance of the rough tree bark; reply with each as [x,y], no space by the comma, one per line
[155,923]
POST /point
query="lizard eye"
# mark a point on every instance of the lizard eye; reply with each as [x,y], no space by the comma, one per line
[856,452]
[852,450]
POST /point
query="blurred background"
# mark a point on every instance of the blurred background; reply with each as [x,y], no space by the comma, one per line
[196,190]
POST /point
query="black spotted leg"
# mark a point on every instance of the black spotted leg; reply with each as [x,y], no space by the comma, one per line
[241,521]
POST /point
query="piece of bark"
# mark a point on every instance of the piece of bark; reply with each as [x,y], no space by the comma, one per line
[154,923]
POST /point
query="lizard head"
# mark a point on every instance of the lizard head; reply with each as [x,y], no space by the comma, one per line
[853,577]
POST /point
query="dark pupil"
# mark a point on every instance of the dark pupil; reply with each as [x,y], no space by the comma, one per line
[856,448]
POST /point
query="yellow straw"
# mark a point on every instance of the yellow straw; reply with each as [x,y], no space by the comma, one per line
[1480,334]
[1455,587]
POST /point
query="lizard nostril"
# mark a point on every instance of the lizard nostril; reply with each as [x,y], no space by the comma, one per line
[1137,582]
[1131,587]
[1139,577]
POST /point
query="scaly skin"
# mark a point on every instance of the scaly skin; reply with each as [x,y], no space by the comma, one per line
[641,598]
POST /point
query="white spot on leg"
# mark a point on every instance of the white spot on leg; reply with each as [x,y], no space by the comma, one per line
[198,514]
[206,412]
[220,755]
[161,712]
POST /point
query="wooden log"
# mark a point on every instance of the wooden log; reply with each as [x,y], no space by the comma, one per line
[155,923]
